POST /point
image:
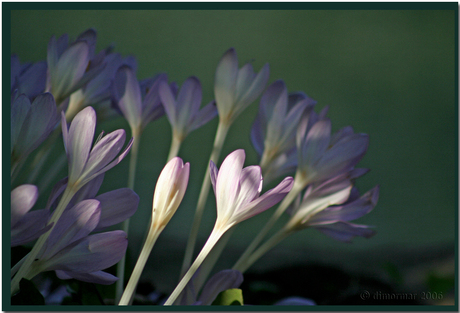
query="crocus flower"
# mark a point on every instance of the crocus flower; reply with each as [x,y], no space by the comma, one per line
[69,66]
[139,102]
[87,162]
[28,78]
[322,156]
[26,226]
[237,191]
[273,133]
[235,88]
[31,124]
[333,221]
[71,250]
[184,112]
[98,91]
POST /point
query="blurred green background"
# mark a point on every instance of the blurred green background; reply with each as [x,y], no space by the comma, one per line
[388,73]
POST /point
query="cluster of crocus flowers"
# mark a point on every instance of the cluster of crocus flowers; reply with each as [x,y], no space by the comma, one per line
[70,231]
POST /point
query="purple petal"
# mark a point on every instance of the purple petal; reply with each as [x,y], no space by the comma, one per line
[267,200]
[258,134]
[74,224]
[19,109]
[30,227]
[152,108]
[345,232]
[116,206]
[79,141]
[104,152]
[98,277]
[316,142]
[225,82]
[250,186]
[90,254]
[223,280]
[202,117]
[295,301]
[88,191]
[168,101]
[23,199]
[255,89]
[33,80]
[130,102]
[188,100]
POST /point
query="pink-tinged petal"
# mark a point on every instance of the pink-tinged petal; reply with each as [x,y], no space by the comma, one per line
[104,152]
[90,254]
[80,140]
[266,201]
[130,102]
[23,199]
[316,142]
[116,206]
[225,82]
[214,172]
[98,277]
[30,227]
[74,224]
[228,181]
[168,101]
[223,280]
[250,186]
[345,232]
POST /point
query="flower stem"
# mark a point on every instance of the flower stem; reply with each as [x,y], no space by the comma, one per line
[212,240]
[296,189]
[69,192]
[175,147]
[221,134]
[152,237]
[264,248]
[136,133]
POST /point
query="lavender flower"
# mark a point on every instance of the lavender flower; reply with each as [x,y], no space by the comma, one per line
[184,113]
[31,124]
[69,66]
[237,191]
[235,88]
[273,133]
[85,163]
[139,102]
[322,156]
[26,226]
[28,78]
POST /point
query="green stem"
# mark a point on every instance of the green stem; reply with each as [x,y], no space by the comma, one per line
[152,237]
[221,134]
[136,133]
[264,248]
[212,240]
[69,192]
[175,147]
[15,268]
[296,189]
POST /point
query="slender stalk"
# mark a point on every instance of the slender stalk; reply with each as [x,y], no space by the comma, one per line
[296,189]
[212,240]
[15,268]
[69,192]
[264,248]
[152,237]
[221,134]
[136,133]
[211,260]
[175,147]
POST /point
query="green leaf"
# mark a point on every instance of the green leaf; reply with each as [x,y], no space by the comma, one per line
[28,294]
[229,297]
